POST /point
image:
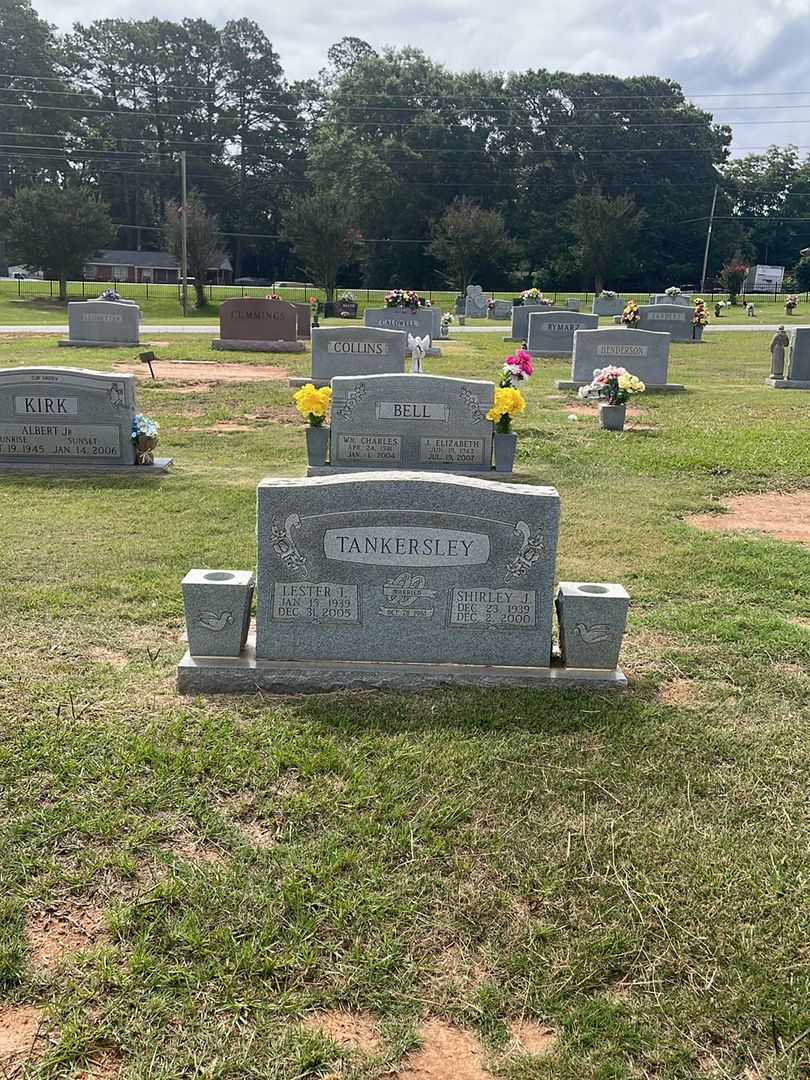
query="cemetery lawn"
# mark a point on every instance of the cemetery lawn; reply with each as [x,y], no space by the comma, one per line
[184,881]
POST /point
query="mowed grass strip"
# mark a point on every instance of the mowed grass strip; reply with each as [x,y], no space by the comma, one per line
[628,872]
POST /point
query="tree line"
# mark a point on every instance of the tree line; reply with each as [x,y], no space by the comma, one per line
[386,169]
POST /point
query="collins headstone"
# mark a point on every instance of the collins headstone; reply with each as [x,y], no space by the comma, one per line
[354,350]
[102,324]
[642,352]
[551,333]
[673,319]
[255,325]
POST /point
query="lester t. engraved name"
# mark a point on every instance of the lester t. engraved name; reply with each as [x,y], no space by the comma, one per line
[403,545]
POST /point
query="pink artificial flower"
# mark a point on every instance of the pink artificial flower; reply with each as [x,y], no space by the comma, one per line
[524,361]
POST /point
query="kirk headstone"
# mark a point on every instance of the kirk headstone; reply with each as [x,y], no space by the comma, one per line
[476,303]
[354,350]
[673,319]
[102,323]
[425,422]
[551,333]
[66,416]
[642,352]
[258,325]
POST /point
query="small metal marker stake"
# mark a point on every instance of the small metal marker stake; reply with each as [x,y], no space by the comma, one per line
[147,358]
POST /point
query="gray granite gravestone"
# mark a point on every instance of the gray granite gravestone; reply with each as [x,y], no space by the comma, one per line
[501,309]
[607,305]
[303,320]
[252,324]
[572,304]
[798,369]
[354,350]
[642,352]
[412,569]
[673,319]
[67,419]
[417,321]
[679,299]
[475,306]
[102,323]
[551,332]
[410,421]
[520,319]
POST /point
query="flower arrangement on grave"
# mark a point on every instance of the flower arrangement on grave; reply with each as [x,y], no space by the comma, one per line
[346,298]
[607,294]
[613,385]
[272,296]
[408,298]
[673,290]
[535,296]
[631,316]
[313,403]
[507,402]
[145,436]
[110,294]
[700,316]
[516,368]
[791,304]
[447,319]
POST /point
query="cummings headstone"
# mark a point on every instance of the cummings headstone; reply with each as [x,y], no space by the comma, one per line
[476,303]
[520,319]
[405,567]
[51,415]
[642,352]
[673,319]
[255,325]
[410,421]
[551,333]
[102,323]
[354,350]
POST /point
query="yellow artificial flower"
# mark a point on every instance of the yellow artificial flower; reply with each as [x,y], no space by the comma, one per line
[508,402]
[311,401]
[631,384]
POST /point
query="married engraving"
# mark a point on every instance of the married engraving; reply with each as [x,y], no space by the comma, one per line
[531,549]
[284,546]
[403,591]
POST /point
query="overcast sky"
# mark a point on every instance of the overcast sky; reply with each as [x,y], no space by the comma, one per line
[730,48]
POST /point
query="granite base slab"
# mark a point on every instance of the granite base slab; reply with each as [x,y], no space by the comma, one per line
[332,470]
[232,345]
[788,384]
[434,350]
[65,468]
[64,343]
[664,388]
[318,383]
[246,675]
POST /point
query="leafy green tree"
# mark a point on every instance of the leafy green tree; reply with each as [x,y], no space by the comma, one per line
[320,229]
[467,239]
[203,237]
[607,232]
[55,229]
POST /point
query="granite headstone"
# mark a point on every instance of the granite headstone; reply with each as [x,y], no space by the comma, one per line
[673,319]
[354,350]
[102,323]
[520,319]
[572,304]
[799,366]
[258,325]
[551,332]
[501,309]
[476,303]
[607,305]
[417,321]
[303,320]
[642,352]
[680,299]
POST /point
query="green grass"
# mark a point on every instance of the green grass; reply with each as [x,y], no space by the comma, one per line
[631,870]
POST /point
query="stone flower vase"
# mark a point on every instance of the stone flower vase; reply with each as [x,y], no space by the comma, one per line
[505,446]
[145,449]
[217,605]
[697,332]
[611,417]
[317,444]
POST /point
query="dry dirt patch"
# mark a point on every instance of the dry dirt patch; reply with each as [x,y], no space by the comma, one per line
[593,411]
[783,515]
[447,1053]
[55,931]
[204,373]
[529,1037]
[20,1030]
[351,1031]
[103,1067]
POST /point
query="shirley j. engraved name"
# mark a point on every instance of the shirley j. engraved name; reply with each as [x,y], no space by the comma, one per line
[406,546]
[499,608]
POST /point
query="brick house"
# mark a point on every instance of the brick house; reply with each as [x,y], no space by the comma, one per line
[156,267]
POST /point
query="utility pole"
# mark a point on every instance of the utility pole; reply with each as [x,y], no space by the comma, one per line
[184,231]
[708,241]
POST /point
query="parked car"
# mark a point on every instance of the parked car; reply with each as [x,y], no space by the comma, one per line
[252,281]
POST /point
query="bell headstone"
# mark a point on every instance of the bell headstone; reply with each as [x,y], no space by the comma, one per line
[102,323]
[673,319]
[258,325]
[476,303]
[67,418]
[551,333]
[354,350]
[410,421]
[642,352]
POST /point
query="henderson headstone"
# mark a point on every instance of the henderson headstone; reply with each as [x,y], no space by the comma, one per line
[68,419]
[399,580]
[798,368]
[102,323]
[607,305]
[475,306]
[674,319]
[255,325]
[426,422]
[642,352]
[354,350]
[520,319]
[551,332]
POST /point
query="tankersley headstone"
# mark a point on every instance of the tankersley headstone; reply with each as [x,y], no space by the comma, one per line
[520,319]
[674,319]
[102,323]
[354,350]
[551,332]
[405,567]
[66,416]
[258,325]
[425,422]
[476,303]
[642,352]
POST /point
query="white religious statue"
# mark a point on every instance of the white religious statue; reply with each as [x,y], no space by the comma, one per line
[418,346]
